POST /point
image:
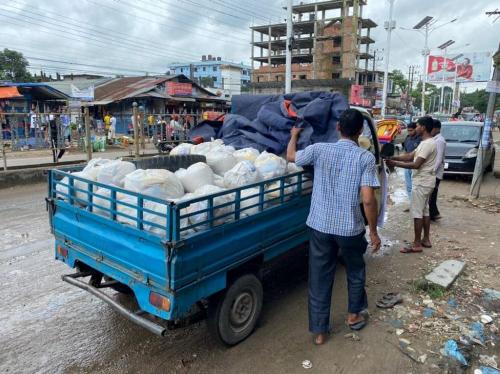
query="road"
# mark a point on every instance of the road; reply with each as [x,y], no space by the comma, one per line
[48,326]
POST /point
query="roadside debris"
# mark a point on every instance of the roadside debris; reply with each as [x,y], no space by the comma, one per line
[451,350]
[352,336]
[488,361]
[486,370]
[486,319]
[306,364]
[445,274]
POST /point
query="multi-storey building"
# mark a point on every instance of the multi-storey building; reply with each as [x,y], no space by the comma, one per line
[212,72]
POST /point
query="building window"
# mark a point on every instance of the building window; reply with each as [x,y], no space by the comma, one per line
[182,70]
[336,60]
[244,72]
[215,79]
[258,79]
[294,76]
[204,68]
[195,69]
[336,76]
[302,77]
[215,68]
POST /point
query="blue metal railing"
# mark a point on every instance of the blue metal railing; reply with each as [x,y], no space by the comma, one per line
[170,220]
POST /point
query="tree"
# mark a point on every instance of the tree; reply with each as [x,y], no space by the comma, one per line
[477,99]
[399,80]
[13,67]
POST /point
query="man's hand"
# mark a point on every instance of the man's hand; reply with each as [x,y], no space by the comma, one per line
[295,131]
[375,241]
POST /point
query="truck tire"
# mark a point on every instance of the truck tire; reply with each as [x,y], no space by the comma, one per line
[233,316]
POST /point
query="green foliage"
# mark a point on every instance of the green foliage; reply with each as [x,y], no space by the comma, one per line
[14,67]
[478,99]
[399,80]
[207,81]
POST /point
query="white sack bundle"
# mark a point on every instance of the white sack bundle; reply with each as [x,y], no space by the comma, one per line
[248,154]
[201,205]
[252,195]
[158,183]
[243,173]
[114,172]
[220,161]
[270,166]
[203,149]
[181,150]
[195,176]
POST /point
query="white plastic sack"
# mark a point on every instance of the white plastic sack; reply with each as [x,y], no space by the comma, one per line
[181,149]
[219,181]
[253,199]
[248,154]
[220,161]
[76,185]
[195,176]
[201,205]
[114,172]
[158,183]
[243,173]
[203,149]
[270,166]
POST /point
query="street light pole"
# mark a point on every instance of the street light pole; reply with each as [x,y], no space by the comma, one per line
[390,26]
[425,53]
[486,136]
[289,33]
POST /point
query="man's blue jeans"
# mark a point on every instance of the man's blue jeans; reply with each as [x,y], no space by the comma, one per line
[408,182]
[323,257]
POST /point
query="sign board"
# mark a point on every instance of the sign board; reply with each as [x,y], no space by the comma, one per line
[493,86]
[468,67]
[74,104]
[176,88]
[84,94]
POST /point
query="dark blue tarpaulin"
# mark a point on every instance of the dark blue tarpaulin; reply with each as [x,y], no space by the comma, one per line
[264,121]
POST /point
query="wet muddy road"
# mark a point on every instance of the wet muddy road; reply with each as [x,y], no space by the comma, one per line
[48,326]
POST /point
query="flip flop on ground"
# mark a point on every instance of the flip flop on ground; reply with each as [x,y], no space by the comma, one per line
[411,249]
[389,300]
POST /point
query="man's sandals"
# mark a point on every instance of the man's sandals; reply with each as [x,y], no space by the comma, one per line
[410,248]
[389,300]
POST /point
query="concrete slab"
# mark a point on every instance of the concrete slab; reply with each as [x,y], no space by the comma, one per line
[445,274]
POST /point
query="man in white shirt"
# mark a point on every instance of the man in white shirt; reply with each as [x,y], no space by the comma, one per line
[438,168]
[112,128]
[422,162]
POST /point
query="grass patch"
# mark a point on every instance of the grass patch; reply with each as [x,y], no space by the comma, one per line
[433,290]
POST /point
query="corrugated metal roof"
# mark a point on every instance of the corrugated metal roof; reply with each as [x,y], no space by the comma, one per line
[65,86]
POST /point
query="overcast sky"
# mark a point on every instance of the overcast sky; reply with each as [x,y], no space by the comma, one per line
[127,36]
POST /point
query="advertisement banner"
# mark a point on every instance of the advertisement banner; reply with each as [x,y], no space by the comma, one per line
[175,88]
[85,94]
[468,67]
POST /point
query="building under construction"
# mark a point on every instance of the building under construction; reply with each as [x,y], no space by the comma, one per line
[330,49]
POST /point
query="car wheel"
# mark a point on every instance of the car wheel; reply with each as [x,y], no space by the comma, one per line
[233,317]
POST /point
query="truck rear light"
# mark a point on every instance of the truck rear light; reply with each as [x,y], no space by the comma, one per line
[159,301]
[62,251]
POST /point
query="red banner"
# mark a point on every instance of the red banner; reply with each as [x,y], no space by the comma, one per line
[175,88]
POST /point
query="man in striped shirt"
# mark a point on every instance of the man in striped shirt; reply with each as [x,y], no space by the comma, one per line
[343,172]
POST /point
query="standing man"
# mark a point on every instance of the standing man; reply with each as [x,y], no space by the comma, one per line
[438,169]
[112,128]
[342,172]
[107,124]
[422,160]
[409,145]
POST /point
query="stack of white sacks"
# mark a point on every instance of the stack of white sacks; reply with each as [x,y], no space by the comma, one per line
[225,169]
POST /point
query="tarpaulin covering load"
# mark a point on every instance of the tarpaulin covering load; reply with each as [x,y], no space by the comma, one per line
[263,122]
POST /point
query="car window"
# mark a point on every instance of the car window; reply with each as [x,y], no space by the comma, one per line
[461,133]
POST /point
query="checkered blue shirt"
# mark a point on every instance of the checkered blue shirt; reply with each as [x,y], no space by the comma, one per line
[340,170]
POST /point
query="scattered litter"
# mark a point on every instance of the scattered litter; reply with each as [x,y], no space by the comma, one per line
[445,274]
[412,328]
[477,331]
[399,332]
[488,370]
[491,294]
[428,312]
[452,303]
[488,361]
[404,341]
[486,319]
[352,336]
[306,364]
[422,358]
[451,350]
[477,371]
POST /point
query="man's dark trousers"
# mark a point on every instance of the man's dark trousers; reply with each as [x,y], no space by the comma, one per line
[323,257]
[433,209]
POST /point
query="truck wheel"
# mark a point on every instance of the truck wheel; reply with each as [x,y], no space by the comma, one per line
[232,318]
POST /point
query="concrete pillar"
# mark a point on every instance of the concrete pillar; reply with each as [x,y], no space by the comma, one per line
[269,45]
[253,49]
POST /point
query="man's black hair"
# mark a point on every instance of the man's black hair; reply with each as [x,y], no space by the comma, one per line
[412,125]
[427,122]
[436,124]
[351,123]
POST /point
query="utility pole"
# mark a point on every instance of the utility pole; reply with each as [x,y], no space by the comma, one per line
[426,53]
[389,26]
[4,157]
[136,129]
[486,137]
[87,133]
[289,35]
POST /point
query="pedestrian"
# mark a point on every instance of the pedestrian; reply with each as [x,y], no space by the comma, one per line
[422,161]
[176,128]
[438,169]
[410,143]
[55,138]
[344,174]
[107,124]
[112,128]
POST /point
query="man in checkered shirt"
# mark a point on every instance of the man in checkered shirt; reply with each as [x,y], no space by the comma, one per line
[345,176]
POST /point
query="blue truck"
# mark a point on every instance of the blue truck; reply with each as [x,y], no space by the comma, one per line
[179,272]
